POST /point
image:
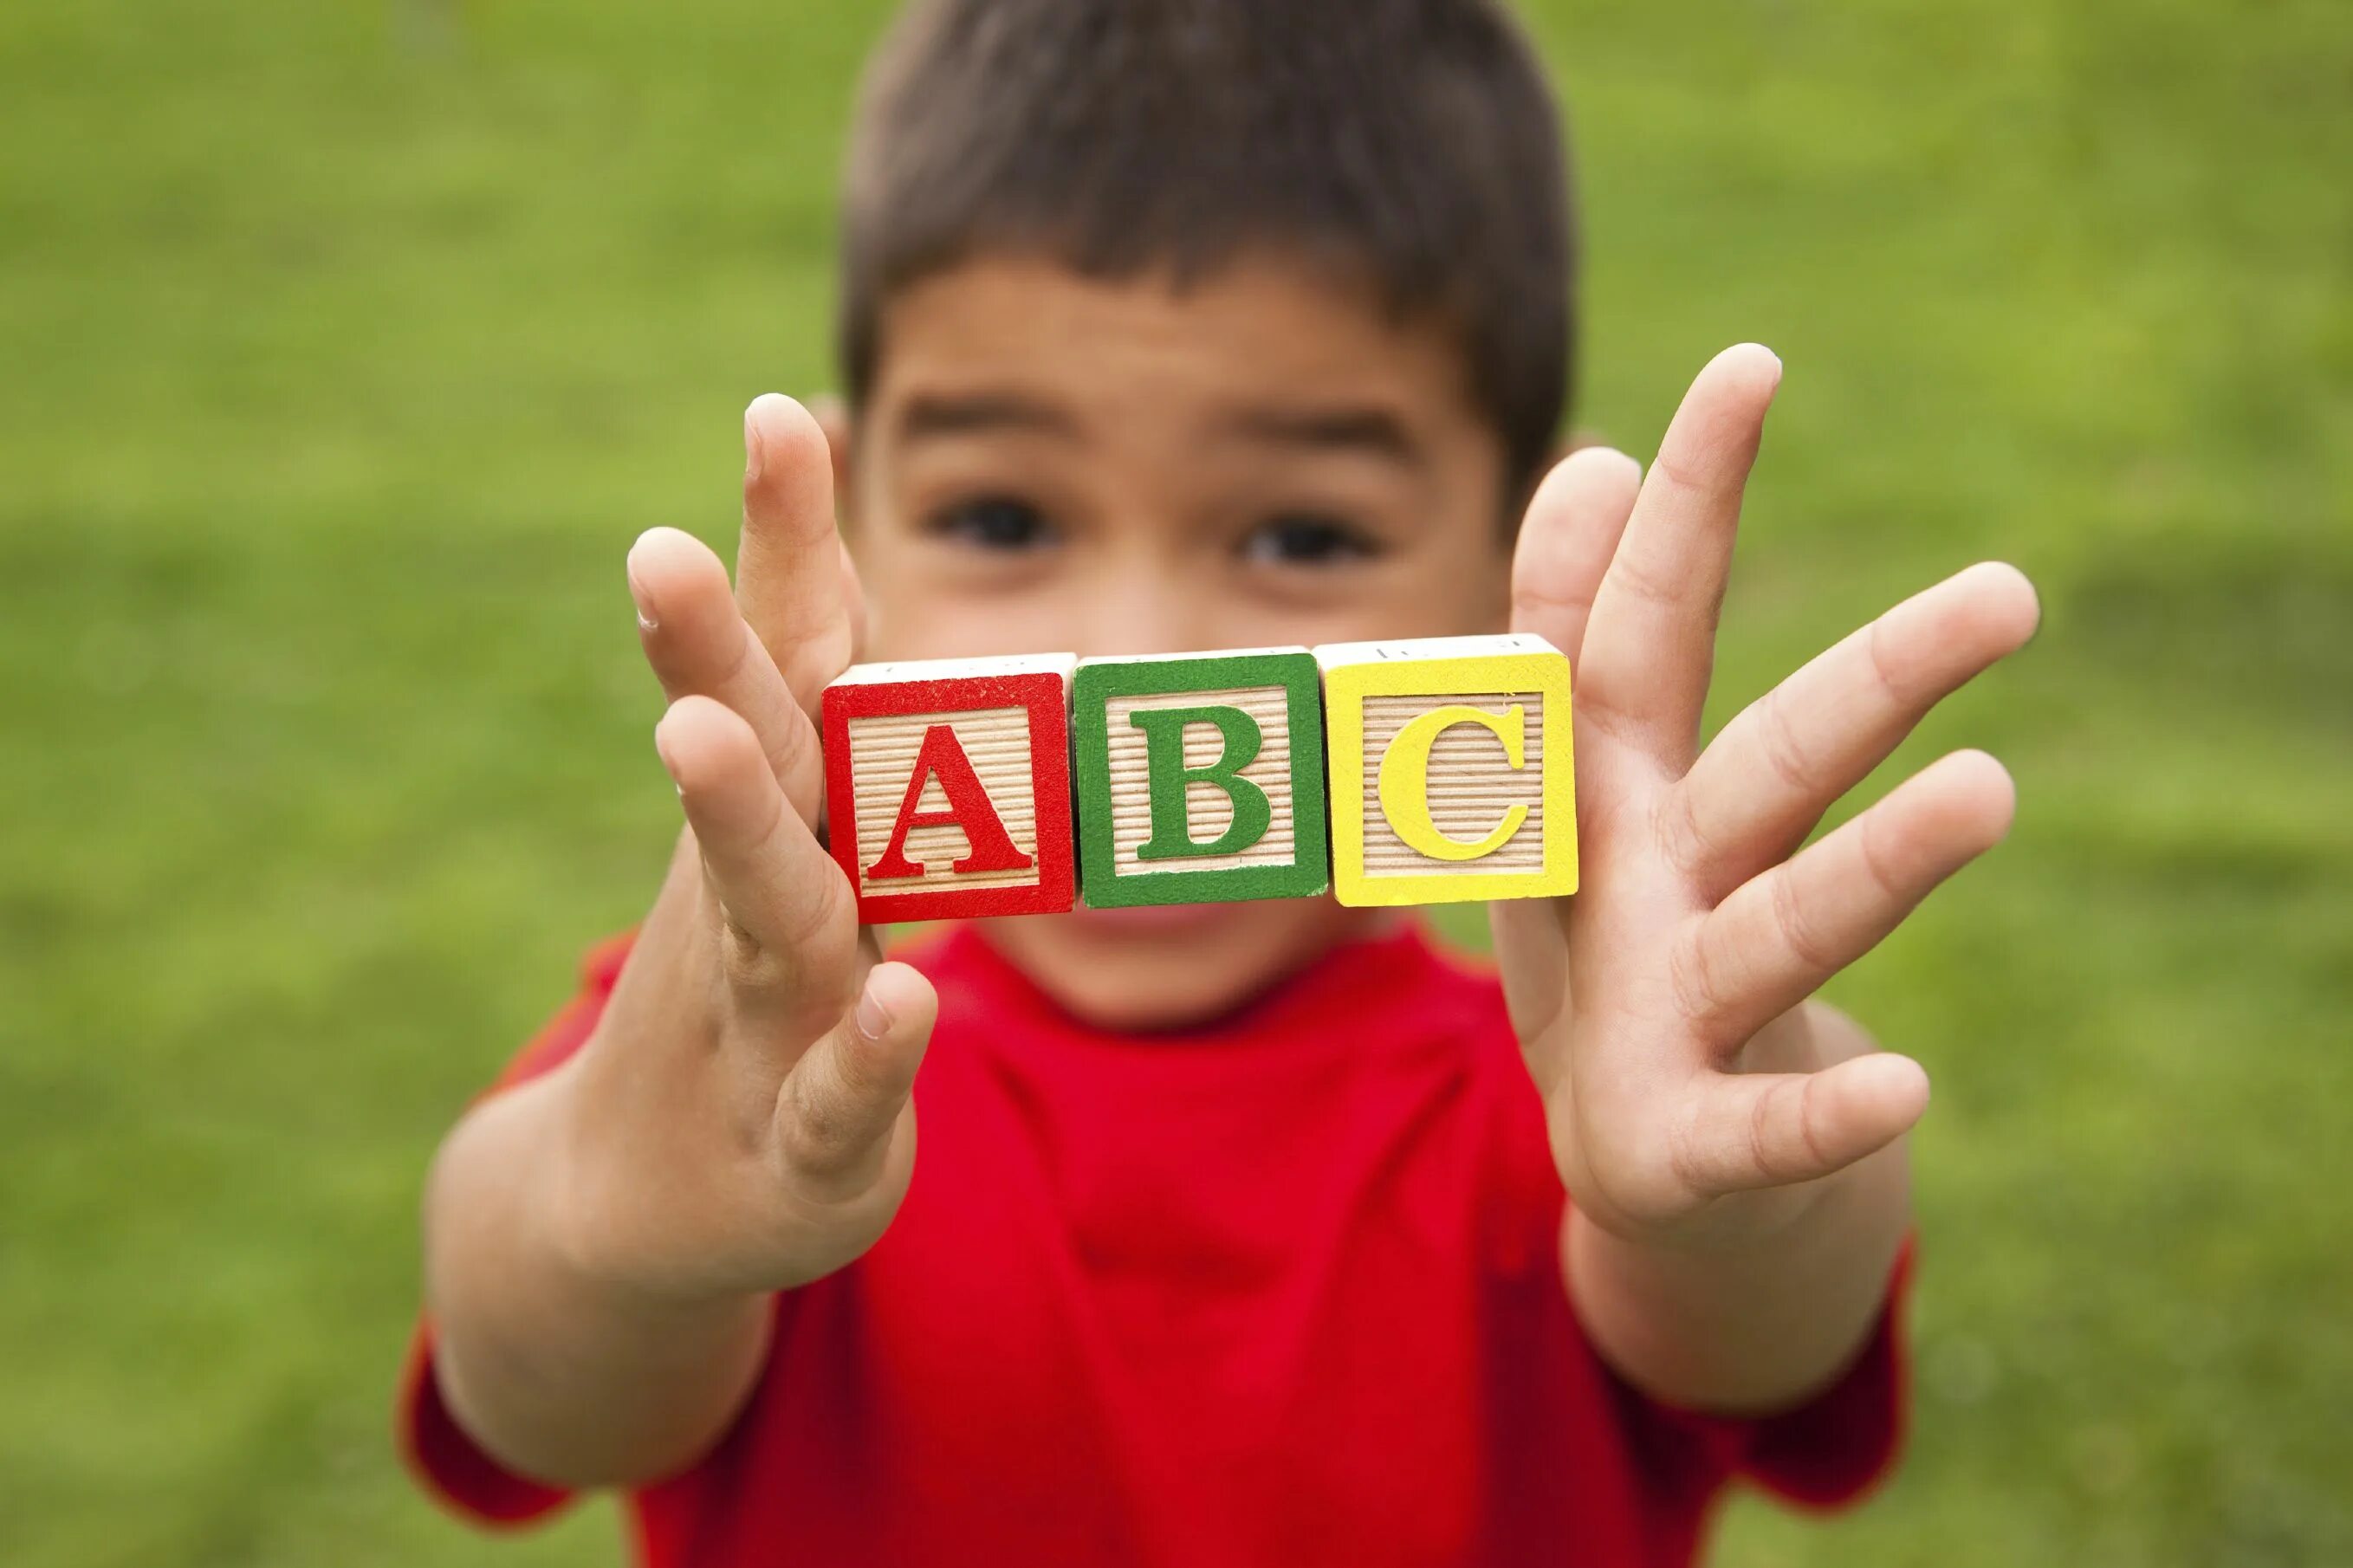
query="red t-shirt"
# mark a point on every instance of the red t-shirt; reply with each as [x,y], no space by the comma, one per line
[1283,1289]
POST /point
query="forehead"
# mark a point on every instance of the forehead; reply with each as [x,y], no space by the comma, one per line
[1255,331]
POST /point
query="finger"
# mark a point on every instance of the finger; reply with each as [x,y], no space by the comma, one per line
[1777,937]
[699,644]
[1571,530]
[1650,641]
[788,571]
[785,903]
[1565,541]
[1748,1130]
[1763,783]
[844,1100]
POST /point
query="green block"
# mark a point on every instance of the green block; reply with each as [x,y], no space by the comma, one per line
[1199,778]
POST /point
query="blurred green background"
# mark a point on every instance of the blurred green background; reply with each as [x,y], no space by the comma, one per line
[345,348]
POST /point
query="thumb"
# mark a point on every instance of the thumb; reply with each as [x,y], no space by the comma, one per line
[1748,1130]
[839,1111]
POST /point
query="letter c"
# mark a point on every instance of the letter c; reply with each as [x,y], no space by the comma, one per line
[1405,780]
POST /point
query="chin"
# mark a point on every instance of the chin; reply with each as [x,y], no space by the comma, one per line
[1172,966]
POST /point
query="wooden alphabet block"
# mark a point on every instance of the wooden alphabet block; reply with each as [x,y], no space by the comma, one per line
[1450,770]
[1200,777]
[947,786]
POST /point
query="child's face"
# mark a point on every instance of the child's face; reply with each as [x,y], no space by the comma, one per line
[1050,462]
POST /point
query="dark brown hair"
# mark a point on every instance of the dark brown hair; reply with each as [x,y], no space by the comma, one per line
[1412,143]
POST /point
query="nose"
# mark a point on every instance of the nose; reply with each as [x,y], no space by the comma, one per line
[1146,602]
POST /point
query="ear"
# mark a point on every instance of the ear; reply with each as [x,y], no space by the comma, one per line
[832,416]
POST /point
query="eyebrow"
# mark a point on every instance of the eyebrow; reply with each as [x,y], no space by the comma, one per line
[953,413]
[1340,428]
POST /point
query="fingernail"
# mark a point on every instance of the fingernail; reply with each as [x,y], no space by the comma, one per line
[669,767]
[752,456]
[871,1019]
[639,597]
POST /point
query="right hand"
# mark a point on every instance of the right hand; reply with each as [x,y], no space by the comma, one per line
[741,1120]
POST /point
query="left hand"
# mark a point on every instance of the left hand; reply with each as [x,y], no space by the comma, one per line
[1689,1087]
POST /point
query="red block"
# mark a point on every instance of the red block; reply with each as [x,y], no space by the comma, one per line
[947,786]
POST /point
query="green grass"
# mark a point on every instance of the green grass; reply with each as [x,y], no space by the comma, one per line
[346,347]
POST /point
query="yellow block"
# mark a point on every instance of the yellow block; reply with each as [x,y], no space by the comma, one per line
[1451,770]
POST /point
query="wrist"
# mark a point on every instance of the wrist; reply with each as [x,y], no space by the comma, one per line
[535,1323]
[1754,1303]
[585,1211]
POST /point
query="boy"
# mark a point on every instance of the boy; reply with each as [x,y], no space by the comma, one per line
[1241,1233]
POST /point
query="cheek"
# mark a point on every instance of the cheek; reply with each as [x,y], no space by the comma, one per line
[915,614]
[923,603]
[1422,593]
[1107,596]
[1464,579]
[919,620]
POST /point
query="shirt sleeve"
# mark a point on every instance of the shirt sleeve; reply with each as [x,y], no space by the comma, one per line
[1829,1452]
[444,1459]
[1840,1445]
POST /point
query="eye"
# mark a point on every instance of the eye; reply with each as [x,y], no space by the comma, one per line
[994,522]
[1305,539]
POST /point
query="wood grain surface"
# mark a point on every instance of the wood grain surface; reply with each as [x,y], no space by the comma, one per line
[1471,786]
[882,749]
[1208,809]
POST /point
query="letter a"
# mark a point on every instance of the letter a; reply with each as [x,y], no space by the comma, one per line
[970,807]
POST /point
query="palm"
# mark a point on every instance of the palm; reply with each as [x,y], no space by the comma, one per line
[1659,1008]
[765,967]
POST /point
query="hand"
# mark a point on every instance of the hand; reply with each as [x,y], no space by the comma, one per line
[742,1121]
[1689,1086]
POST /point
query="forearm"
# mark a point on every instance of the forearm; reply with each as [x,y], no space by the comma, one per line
[558,1373]
[1761,1305]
